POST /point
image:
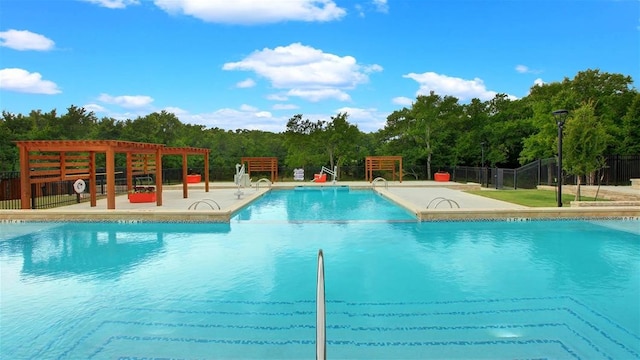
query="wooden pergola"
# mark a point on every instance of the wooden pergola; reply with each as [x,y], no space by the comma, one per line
[43,161]
[382,163]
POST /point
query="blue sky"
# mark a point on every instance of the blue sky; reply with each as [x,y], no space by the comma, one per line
[253,64]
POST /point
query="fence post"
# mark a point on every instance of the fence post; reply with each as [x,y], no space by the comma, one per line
[33,196]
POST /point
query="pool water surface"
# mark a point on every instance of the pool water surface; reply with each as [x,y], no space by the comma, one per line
[246,289]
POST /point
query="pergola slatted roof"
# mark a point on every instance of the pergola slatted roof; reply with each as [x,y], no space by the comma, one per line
[64,169]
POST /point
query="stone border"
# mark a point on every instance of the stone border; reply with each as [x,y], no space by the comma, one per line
[603,210]
[539,213]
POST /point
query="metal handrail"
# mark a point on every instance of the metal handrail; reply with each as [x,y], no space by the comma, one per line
[262,180]
[194,206]
[443,199]
[321,314]
[378,179]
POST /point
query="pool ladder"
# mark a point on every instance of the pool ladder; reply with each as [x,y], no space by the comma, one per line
[321,314]
[263,180]
[380,179]
[208,202]
[441,200]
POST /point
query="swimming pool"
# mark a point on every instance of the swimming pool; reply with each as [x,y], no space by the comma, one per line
[246,289]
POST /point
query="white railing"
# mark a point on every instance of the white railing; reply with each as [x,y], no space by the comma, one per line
[263,180]
[380,179]
[321,314]
[239,178]
[333,173]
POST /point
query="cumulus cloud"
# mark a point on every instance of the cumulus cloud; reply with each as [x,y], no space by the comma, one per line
[285,107]
[402,100]
[538,82]
[247,117]
[277,97]
[20,80]
[306,72]
[248,83]
[249,12]
[113,4]
[445,85]
[127,101]
[95,108]
[381,6]
[25,40]
[523,69]
[368,120]
[315,95]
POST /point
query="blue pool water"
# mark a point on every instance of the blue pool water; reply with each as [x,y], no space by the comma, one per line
[246,289]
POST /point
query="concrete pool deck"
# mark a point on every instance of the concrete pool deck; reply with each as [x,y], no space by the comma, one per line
[428,200]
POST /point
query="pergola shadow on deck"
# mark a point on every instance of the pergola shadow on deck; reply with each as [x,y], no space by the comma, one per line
[43,161]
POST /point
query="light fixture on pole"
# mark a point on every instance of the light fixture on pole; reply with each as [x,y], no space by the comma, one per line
[482,165]
[561,116]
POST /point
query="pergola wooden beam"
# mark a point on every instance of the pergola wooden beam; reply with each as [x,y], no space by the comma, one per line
[57,167]
[382,163]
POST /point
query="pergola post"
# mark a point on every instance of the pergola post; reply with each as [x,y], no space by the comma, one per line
[159,176]
[129,171]
[25,183]
[185,187]
[111,178]
[92,178]
[206,171]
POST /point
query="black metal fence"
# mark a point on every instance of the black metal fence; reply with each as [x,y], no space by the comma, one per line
[618,170]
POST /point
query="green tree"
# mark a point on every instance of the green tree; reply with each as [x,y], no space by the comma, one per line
[585,140]
[303,142]
[631,128]
[339,139]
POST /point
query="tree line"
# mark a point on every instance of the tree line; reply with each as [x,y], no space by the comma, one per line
[434,132]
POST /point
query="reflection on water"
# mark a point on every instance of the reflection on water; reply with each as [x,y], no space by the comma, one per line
[76,288]
[104,250]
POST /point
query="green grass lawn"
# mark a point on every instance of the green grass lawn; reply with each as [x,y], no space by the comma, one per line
[531,198]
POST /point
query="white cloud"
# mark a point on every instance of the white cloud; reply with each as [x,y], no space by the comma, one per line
[445,85]
[25,40]
[247,117]
[381,6]
[315,95]
[248,83]
[175,110]
[95,108]
[20,80]
[402,100]
[523,69]
[245,107]
[127,101]
[538,81]
[113,4]
[285,107]
[277,97]
[368,120]
[248,12]
[306,72]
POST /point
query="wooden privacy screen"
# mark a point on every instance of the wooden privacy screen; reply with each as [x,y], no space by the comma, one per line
[262,164]
[382,163]
[59,166]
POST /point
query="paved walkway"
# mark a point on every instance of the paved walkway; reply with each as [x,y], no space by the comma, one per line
[429,200]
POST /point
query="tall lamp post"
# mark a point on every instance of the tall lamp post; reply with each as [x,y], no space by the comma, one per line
[482,165]
[561,116]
